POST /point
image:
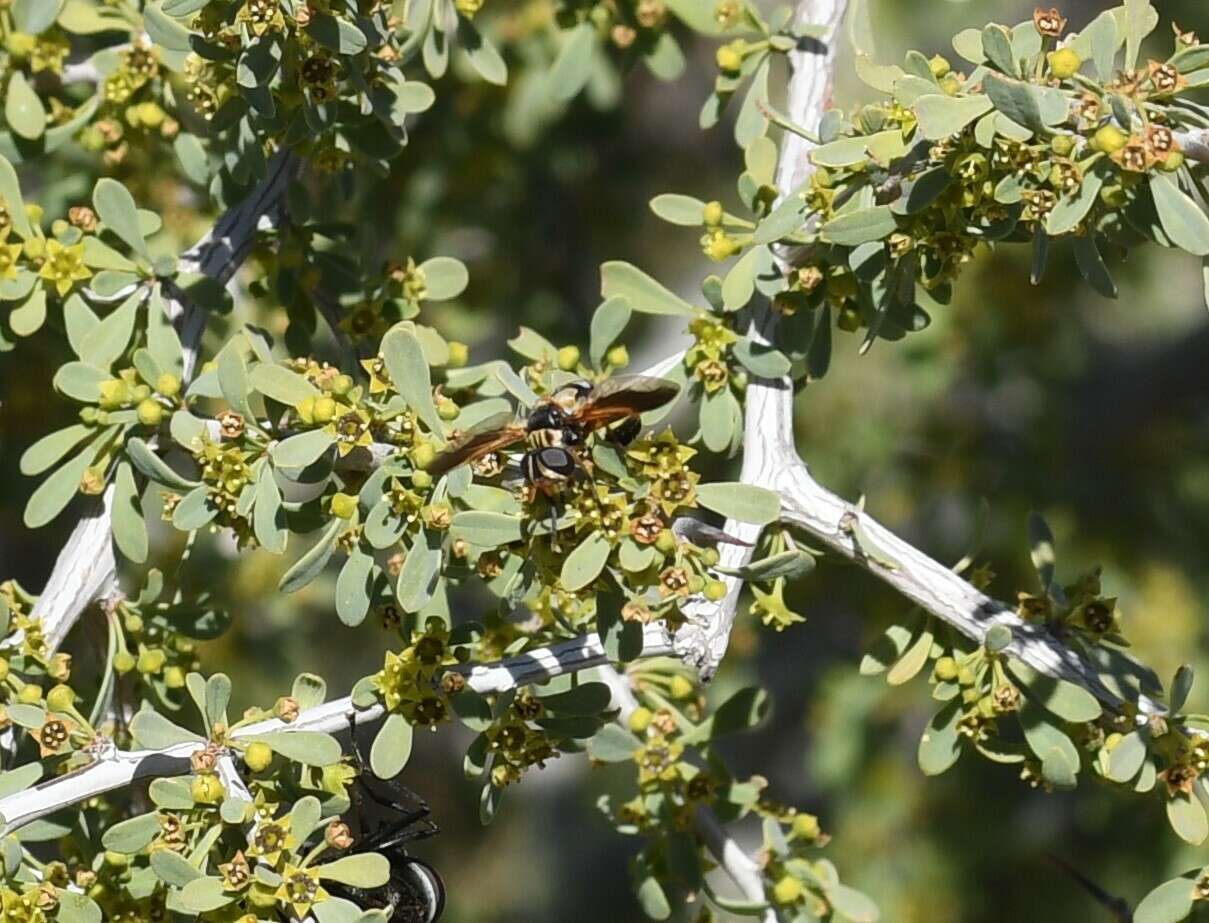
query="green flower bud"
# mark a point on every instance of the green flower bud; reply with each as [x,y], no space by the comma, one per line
[946,669]
[618,357]
[123,662]
[116,860]
[568,358]
[939,65]
[174,677]
[1173,161]
[422,455]
[447,409]
[258,756]
[207,789]
[1109,139]
[150,660]
[715,590]
[787,890]
[168,385]
[730,57]
[1064,63]
[1062,145]
[459,354]
[712,214]
[666,542]
[150,413]
[324,410]
[806,827]
[681,687]
[30,694]
[421,480]
[141,393]
[60,698]
[640,720]
[344,505]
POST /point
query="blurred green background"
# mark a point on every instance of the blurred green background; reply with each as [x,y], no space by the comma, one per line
[1094,412]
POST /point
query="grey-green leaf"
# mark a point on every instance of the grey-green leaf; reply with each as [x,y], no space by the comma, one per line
[392,747]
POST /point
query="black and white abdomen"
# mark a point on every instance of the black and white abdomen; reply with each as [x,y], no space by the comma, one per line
[550,463]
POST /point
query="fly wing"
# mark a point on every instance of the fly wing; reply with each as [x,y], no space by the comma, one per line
[492,434]
[625,396]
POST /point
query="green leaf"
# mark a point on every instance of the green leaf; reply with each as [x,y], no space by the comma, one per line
[1181,685]
[782,221]
[584,564]
[80,381]
[23,109]
[788,564]
[76,908]
[743,502]
[302,450]
[50,449]
[585,700]
[153,731]
[613,744]
[155,467]
[1015,99]
[109,339]
[940,744]
[484,57]
[281,384]
[852,904]
[419,575]
[129,526]
[115,207]
[27,319]
[310,748]
[1140,20]
[409,372]
[367,870]
[751,123]
[444,278]
[307,567]
[203,895]
[1066,700]
[1059,758]
[682,210]
[1182,218]
[608,323]
[573,65]
[173,869]
[1070,211]
[762,361]
[997,46]
[19,778]
[56,491]
[34,17]
[1126,758]
[740,283]
[171,794]
[165,31]
[217,698]
[233,378]
[1170,902]
[860,227]
[392,747]
[1041,541]
[486,529]
[131,836]
[941,116]
[644,294]
[10,196]
[652,899]
[267,519]
[913,659]
[1187,817]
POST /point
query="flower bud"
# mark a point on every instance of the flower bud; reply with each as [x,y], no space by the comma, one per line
[342,384]
[618,357]
[150,413]
[459,354]
[787,890]
[422,455]
[150,660]
[123,662]
[1064,63]
[421,480]
[715,590]
[946,669]
[730,57]
[568,358]
[640,720]
[30,694]
[344,505]
[174,677]
[1062,145]
[59,668]
[60,698]
[1109,139]
[681,687]
[666,542]
[323,410]
[939,65]
[168,385]
[207,789]
[258,756]
[712,214]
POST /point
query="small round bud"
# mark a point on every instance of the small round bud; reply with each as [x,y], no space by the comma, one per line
[618,357]
[568,358]
[715,590]
[696,584]
[123,662]
[447,409]
[422,455]
[258,756]
[1172,162]
[324,410]
[30,694]
[787,890]
[681,687]
[116,860]
[60,698]
[59,668]
[174,677]
[710,556]
[939,65]
[730,58]
[344,505]
[133,623]
[1109,139]
[946,669]
[640,719]
[150,413]
[459,354]
[342,384]
[1062,145]
[421,480]
[666,542]
[206,789]
[150,661]
[1064,63]
[140,393]
[806,827]
[712,213]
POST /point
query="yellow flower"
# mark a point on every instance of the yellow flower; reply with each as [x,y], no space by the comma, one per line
[271,839]
[64,266]
[300,889]
[9,254]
